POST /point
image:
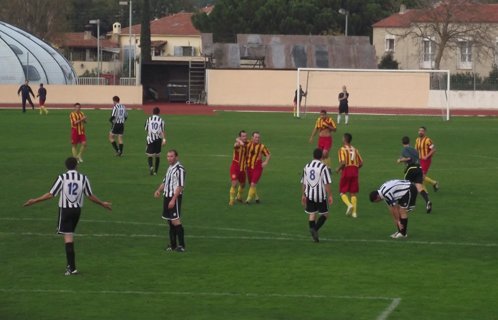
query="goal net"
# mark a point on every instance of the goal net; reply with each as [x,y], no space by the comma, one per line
[375,91]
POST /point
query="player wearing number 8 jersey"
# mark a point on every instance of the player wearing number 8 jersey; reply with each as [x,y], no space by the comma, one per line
[316,185]
[238,167]
[351,163]
[71,186]
[426,149]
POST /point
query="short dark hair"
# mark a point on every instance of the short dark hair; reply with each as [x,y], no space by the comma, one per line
[348,137]
[115,98]
[323,111]
[241,132]
[317,154]
[254,133]
[71,163]
[373,195]
[405,140]
[174,151]
[77,104]
[41,84]
[423,128]
[155,111]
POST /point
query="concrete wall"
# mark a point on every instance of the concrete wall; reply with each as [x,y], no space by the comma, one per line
[107,67]
[60,94]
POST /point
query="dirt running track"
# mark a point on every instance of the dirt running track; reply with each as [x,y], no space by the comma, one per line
[196,109]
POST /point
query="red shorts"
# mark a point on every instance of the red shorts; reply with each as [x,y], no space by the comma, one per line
[42,102]
[349,184]
[425,164]
[325,143]
[254,175]
[295,103]
[77,138]
[236,174]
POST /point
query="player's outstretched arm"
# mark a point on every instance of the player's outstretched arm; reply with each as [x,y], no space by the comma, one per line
[46,196]
[106,205]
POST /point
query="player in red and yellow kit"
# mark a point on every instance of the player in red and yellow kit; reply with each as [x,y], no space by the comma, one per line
[238,167]
[425,149]
[351,163]
[78,119]
[325,125]
[255,152]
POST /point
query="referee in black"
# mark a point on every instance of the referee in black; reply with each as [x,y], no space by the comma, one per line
[71,186]
[172,189]
[118,118]
[316,185]
[25,91]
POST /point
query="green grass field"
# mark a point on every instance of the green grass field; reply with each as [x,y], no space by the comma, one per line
[247,262]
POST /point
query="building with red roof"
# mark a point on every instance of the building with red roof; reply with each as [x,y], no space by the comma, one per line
[413,36]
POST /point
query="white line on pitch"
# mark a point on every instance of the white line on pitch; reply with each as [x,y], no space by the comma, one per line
[389,309]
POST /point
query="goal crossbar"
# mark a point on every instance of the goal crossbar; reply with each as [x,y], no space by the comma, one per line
[446,72]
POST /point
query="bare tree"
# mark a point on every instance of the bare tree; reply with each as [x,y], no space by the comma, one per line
[45,19]
[449,25]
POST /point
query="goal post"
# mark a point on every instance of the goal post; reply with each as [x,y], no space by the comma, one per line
[376,91]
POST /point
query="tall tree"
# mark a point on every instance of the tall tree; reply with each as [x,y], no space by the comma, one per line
[145,45]
[42,18]
[451,25]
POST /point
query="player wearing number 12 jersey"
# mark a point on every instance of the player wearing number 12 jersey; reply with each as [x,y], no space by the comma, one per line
[351,162]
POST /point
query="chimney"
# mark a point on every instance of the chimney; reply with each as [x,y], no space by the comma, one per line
[88,32]
[402,9]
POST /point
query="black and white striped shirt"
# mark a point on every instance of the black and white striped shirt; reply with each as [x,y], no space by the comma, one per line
[119,113]
[315,176]
[175,177]
[393,190]
[154,126]
[71,186]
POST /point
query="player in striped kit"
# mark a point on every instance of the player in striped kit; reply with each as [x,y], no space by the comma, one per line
[71,186]
[402,191]
[172,189]
[325,125]
[118,118]
[238,167]
[78,120]
[316,185]
[426,149]
[155,139]
[351,162]
[255,165]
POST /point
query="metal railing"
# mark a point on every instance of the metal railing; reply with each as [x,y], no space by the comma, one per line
[127,81]
[92,81]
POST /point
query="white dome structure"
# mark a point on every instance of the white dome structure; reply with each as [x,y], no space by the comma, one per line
[25,57]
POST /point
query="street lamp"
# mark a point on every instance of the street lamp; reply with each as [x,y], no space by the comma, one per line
[97,22]
[124,3]
[346,13]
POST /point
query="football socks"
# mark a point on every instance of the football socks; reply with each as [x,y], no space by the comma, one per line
[320,222]
[404,222]
[429,180]
[158,160]
[75,153]
[115,146]
[344,198]
[70,255]
[232,194]
[121,147]
[338,119]
[172,235]
[149,161]
[354,203]
[240,192]
[180,233]
[424,187]
[347,119]
[312,224]
[82,149]
[252,193]
[425,196]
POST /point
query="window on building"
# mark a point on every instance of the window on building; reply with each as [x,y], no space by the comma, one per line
[184,51]
[428,53]
[464,54]
[389,43]
[31,73]
[496,51]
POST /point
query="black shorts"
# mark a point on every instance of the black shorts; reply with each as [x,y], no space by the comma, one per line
[154,148]
[68,220]
[409,199]
[414,174]
[314,207]
[175,212]
[343,108]
[118,129]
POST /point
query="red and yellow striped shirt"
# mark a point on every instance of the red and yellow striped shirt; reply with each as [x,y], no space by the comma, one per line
[75,116]
[254,153]
[239,156]
[352,158]
[323,124]
[424,146]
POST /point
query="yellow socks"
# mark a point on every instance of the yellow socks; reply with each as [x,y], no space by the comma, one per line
[75,154]
[252,193]
[239,193]
[42,108]
[353,201]
[423,187]
[232,195]
[429,180]
[82,149]
[326,162]
[344,198]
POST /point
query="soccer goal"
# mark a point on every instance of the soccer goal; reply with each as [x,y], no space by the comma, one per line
[376,91]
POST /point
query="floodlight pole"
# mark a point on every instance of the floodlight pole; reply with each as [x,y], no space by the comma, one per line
[97,22]
[346,13]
